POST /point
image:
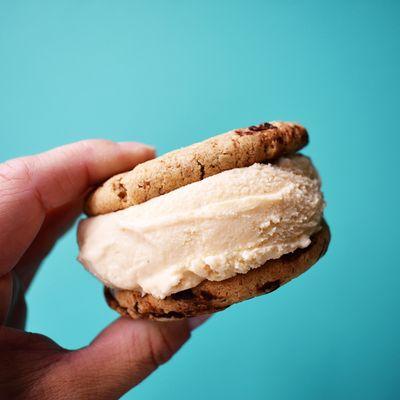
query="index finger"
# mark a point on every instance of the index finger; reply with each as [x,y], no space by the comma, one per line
[32,186]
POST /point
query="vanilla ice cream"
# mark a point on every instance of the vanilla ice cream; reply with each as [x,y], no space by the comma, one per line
[213,229]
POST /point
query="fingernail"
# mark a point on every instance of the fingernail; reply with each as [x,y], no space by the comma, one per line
[138,146]
[195,322]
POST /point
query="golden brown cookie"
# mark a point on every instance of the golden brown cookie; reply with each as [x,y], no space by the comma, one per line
[234,149]
[211,296]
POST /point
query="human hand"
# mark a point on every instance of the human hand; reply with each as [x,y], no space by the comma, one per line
[40,197]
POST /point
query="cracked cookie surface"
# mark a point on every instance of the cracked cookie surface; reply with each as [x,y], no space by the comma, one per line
[235,149]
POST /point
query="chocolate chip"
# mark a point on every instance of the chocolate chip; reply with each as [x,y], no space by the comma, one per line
[243,133]
[202,170]
[220,308]
[184,295]
[255,128]
[171,314]
[206,295]
[136,307]
[121,190]
[294,255]
[121,195]
[269,287]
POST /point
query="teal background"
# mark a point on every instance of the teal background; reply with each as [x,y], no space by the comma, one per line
[170,73]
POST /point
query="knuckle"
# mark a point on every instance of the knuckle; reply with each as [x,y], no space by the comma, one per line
[90,148]
[150,349]
[161,344]
[160,348]
[86,147]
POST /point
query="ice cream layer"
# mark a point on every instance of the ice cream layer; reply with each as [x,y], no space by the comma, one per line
[213,229]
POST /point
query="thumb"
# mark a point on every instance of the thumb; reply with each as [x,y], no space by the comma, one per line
[124,354]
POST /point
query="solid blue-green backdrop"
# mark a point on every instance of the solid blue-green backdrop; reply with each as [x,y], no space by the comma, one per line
[170,73]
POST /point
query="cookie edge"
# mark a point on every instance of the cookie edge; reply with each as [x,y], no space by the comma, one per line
[237,148]
[280,271]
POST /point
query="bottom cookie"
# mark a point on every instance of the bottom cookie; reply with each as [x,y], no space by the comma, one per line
[212,296]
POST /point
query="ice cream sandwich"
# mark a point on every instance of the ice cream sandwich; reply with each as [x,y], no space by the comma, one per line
[203,227]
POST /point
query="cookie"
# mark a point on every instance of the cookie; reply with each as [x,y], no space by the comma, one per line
[212,296]
[234,149]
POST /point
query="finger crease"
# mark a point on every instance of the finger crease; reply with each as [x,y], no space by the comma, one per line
[35,191]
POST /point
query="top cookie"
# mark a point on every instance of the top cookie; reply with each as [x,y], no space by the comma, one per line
[235,149]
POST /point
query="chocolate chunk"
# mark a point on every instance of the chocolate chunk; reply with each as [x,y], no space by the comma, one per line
[121,190]
[202,170]
[171,314]
[206,295]
[262,127]
[255,128]
[269,287]
[183,295]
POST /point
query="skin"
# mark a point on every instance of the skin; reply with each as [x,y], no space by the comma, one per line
[51,187]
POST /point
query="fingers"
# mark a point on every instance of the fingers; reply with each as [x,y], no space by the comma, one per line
[125,353]
[33,366]
[58,176]
[26,361]
[32,186]
[57,222]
